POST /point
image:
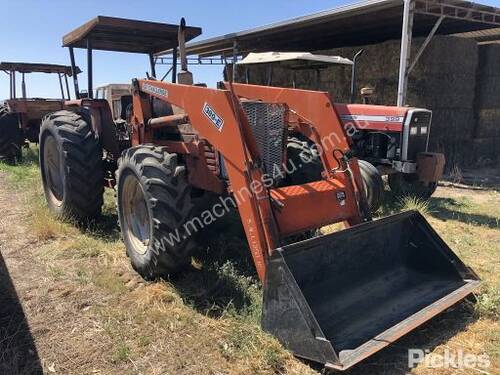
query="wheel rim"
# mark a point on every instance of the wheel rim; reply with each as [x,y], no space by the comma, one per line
[52,171]
[137,224]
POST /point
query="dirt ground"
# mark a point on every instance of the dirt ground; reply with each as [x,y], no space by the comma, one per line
[70,303]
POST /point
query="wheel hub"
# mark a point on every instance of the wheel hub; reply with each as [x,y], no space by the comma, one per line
[136,217]
[52,170]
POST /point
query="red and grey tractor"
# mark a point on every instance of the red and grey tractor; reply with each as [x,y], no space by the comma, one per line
[388,140]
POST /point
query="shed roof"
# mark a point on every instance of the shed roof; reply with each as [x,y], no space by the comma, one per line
[367,22]
[36,68]
[125,35]
[489,36]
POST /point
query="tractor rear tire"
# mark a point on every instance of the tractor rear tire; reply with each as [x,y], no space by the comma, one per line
[372,183]
[71,166]
[409,184]
[11,137]
[155,208]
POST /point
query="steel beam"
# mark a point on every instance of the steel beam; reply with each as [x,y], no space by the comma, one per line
[425,44]
[472,13]
[404,60]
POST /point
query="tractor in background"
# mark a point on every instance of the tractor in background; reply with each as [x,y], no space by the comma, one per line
[390,141]
[21,116]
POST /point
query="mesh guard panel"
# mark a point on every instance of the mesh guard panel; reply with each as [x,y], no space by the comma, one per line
[267,122]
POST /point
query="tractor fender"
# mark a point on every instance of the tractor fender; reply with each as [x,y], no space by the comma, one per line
[101,121]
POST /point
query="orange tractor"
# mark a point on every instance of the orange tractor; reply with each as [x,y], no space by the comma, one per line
[334,299]
[21,116]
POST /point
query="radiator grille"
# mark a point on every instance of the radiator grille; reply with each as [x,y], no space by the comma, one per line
[419,129]
[268,126]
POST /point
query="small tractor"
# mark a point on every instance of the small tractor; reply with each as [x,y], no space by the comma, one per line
[391,140]
[20,117]
[335,299]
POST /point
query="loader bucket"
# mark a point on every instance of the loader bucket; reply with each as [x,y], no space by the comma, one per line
[339,298]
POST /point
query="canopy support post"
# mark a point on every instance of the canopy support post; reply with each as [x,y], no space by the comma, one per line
[90,89]
[235,59]
[152,65]
[23,85]
[174,65]
[67,86]
[74,73]
[13,85]
[61,86]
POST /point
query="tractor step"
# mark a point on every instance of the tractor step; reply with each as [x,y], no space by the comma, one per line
[339,298]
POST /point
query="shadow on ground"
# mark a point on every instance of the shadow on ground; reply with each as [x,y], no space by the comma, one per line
[223,277]
[18,354]
[440,208]
[449,209]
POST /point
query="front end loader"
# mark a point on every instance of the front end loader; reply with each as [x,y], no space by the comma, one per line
[333,299]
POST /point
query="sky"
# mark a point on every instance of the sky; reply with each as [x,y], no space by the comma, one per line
[37,35]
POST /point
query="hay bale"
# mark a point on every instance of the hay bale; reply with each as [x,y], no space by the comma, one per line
[450,132]
[454,78]
[446,54]
[443,90]
[484,152]
[488,123]
[489,58]
[488,91]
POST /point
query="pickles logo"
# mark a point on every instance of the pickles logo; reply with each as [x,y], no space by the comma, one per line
[213,116]
[146,87]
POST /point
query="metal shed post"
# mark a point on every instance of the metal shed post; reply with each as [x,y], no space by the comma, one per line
[404,60]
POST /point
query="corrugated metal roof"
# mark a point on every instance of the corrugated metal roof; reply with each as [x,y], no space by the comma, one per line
[368,22]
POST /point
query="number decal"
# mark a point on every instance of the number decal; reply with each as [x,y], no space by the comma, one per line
[213,117]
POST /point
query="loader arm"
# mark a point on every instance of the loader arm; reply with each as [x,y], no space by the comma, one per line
[213,115]
[317,119]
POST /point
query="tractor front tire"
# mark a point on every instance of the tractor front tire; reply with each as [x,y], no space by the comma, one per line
[155,210]
[11,136]
[372,183]
[71,166]
[304,161]
[409,184]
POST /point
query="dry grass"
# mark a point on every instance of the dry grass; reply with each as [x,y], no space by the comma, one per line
[89,312]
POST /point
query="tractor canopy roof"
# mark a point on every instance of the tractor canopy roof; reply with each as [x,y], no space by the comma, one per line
[294,60]
[125,35]
[36,68]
